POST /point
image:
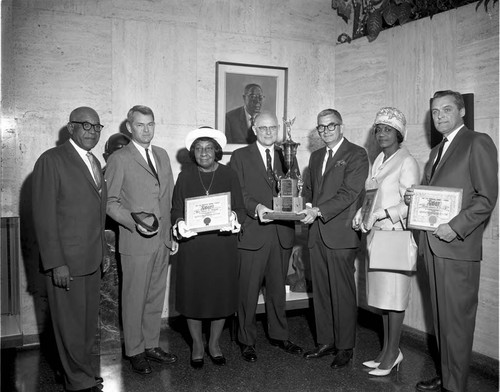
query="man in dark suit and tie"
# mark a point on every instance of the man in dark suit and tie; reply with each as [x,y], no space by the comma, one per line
[333,192]
[264,246]
[139,179]
[239,121]
[69,211]
[467,160]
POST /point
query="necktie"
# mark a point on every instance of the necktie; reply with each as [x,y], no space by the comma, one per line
[150,163]
[270,174]
[95,170]
[330,155]
[438,158]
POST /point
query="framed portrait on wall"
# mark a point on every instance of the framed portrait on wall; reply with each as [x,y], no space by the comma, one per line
[244,90]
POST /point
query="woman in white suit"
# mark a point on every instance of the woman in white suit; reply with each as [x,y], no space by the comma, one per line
[393,171]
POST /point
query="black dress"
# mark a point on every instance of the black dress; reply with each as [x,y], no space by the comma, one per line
[207,264]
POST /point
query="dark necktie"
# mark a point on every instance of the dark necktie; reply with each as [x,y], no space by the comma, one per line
[150,163]
[270,174]
[438,158]
[330,155]
[95,170]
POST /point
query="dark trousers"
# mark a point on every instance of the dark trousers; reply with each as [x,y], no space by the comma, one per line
[269,264]
[74,314]
[334,289]
[454,286]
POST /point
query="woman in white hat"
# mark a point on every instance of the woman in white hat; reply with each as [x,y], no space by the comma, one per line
[393,171]
[207,268]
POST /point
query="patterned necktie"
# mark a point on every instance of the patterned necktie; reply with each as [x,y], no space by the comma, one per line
[270,174]
[330,155]
[438,158]
[150,163]
[95,170]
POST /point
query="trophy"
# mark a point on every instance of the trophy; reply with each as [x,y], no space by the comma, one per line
[289,200]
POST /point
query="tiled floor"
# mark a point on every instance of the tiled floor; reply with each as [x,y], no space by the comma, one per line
[29,370]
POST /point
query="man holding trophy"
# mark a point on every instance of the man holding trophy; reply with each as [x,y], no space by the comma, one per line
[265,245]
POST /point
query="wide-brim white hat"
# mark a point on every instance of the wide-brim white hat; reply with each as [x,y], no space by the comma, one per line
[215,134]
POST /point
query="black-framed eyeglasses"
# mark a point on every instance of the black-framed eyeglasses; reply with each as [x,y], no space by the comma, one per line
[264,129]
[255,97]
[88,126]
[331,127]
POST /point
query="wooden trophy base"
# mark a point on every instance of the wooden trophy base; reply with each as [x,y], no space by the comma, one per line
[286,208]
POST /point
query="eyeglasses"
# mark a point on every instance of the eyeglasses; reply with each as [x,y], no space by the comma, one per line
[331,127]
[264,129]
[88,126]
[254,97]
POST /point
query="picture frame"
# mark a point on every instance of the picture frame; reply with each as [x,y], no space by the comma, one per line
[368,205]
[208,213]
[231,80]
[431,206]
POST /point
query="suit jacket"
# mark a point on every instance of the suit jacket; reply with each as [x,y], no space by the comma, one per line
[237,130]
[68,212]
[132,187]
[338,194]
[470,163]
[257,189]
[392,178]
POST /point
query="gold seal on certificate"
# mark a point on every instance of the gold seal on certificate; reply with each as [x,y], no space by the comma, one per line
[431,206]
[208,213]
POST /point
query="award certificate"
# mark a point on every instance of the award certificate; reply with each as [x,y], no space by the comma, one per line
[431,206]
[208,213]
[368,205]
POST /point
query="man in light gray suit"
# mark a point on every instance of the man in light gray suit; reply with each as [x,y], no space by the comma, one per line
[139,179]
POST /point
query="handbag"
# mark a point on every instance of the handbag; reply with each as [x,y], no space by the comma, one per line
[393,250]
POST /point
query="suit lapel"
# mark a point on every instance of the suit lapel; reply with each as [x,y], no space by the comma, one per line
[258,162]
[139,158]
[82,166]
[449,152]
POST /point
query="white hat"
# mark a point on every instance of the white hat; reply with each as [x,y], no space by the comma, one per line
[215,134]
[392,117]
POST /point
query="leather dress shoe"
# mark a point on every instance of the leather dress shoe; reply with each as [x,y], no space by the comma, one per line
[197,363]
[157,354]
[99,380]
[140,364]
[287,346]
[320,351]
[249,354]
[341,359]
[434,384]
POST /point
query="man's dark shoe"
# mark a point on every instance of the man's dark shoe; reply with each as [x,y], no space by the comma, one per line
[434,384]
[157,354]
[287,346]
[140,364]
[99,380]
[341,359]
[248,352]
[320,351]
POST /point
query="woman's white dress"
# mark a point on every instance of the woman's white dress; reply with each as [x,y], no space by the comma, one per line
[390,290]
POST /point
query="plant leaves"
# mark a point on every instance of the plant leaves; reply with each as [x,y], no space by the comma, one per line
[391,14]
[343,8]
[374,24]
[404,13]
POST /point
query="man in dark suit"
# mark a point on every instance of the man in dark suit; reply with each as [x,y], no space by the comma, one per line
[239,121]
[264,246]
[69,211]
[140,179]
[333,192]
[467,160]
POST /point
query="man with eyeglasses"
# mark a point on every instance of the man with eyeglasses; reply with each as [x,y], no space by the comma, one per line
[264,245]
[239,121]
[333,193]
[69,211]
[140,180]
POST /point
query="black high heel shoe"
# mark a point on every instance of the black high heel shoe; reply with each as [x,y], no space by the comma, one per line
[218,360]
[197,363]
